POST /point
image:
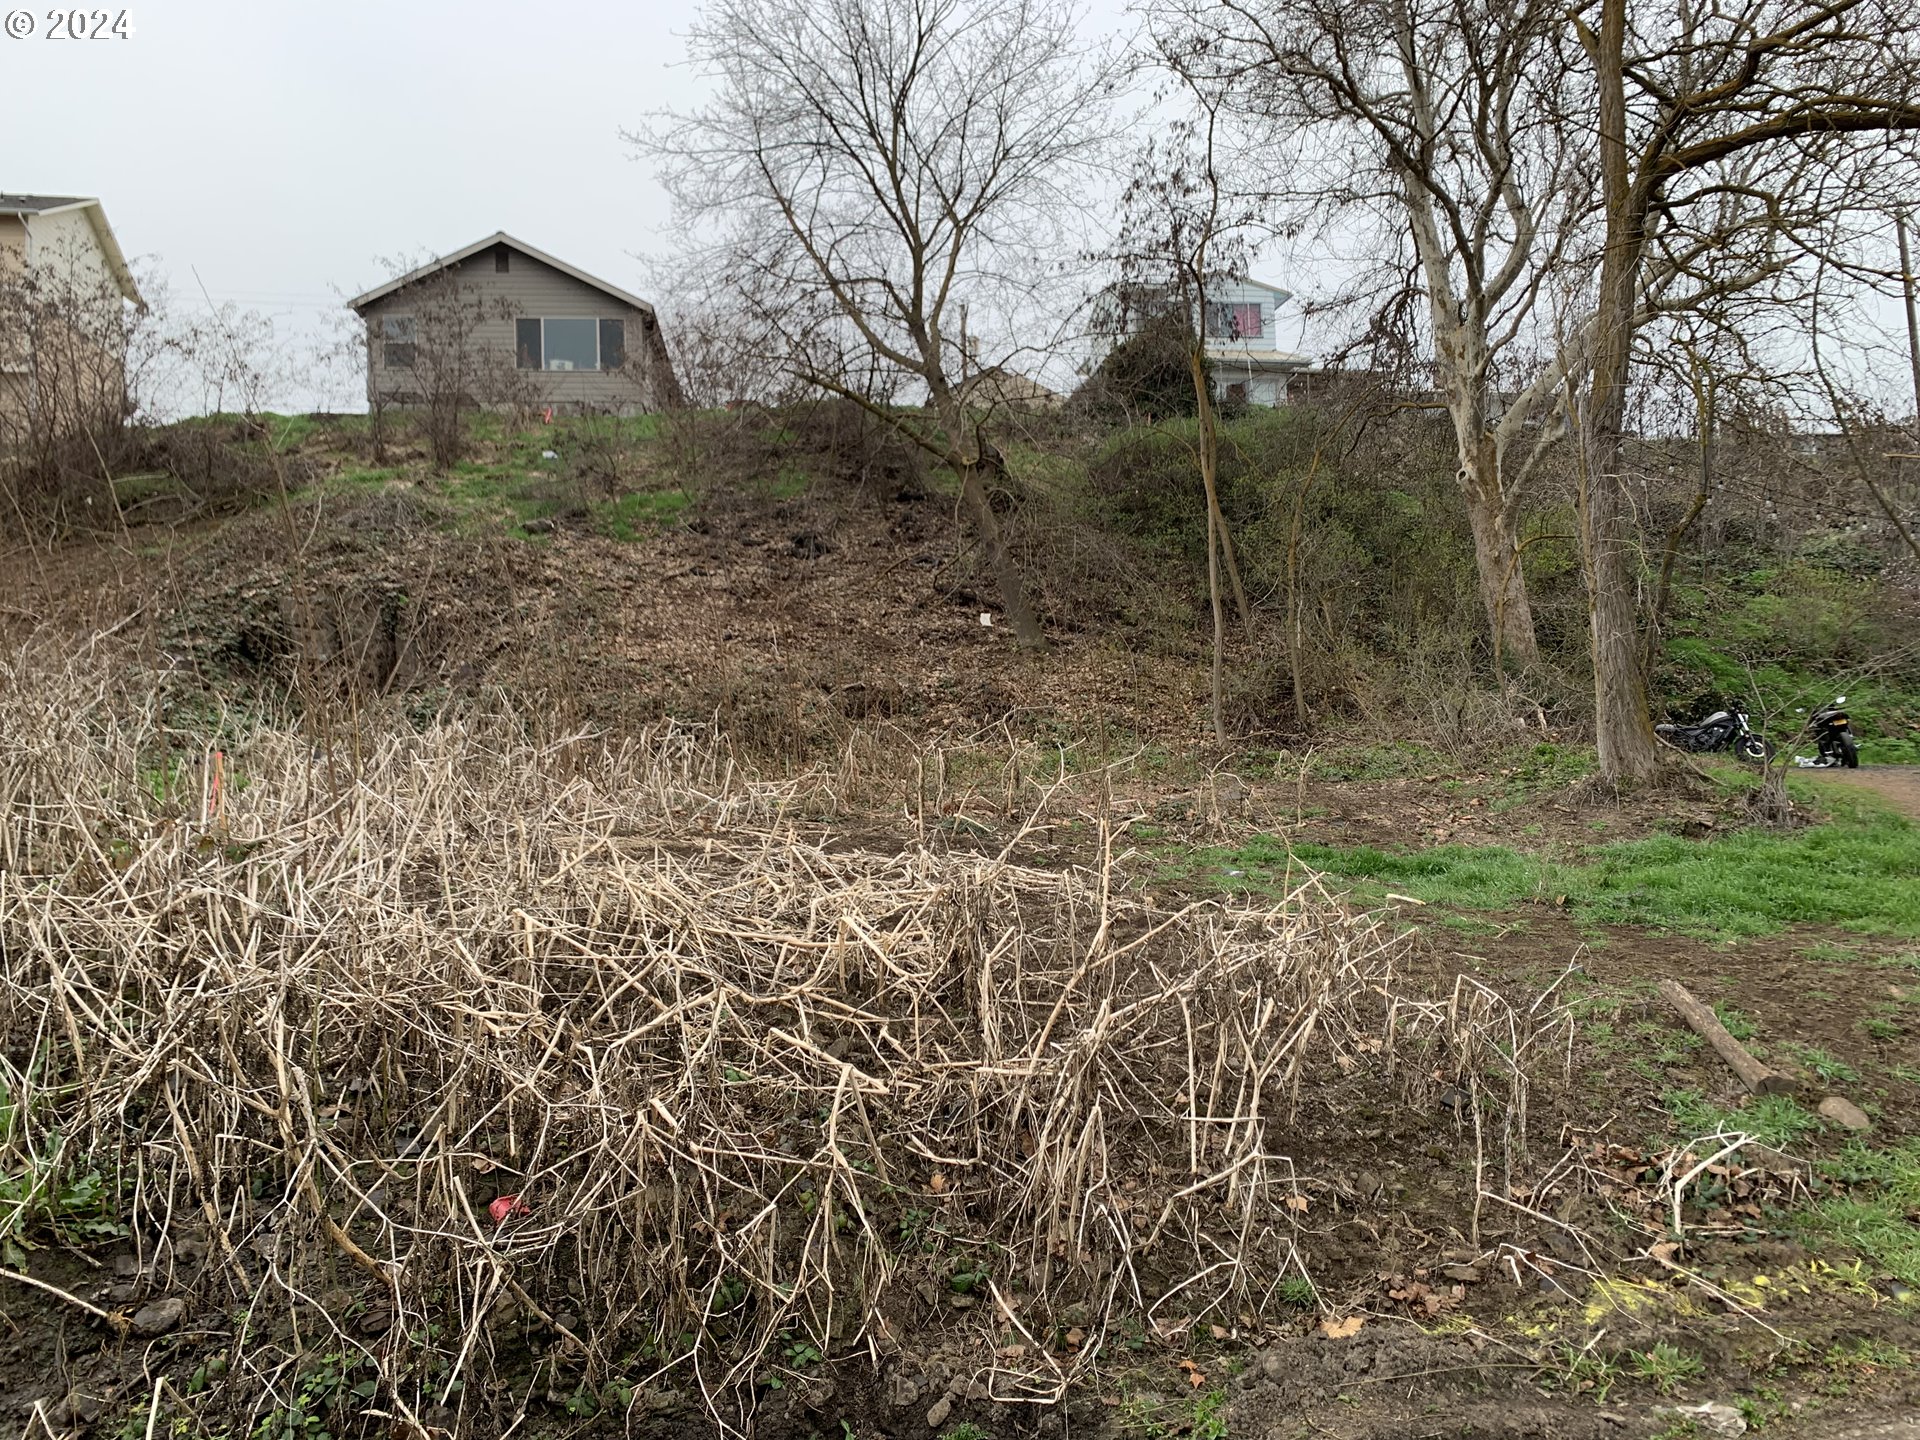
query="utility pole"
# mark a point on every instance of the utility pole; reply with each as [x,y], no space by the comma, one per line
[1913,323]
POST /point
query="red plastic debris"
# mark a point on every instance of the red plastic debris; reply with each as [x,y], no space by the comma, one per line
[508,1207]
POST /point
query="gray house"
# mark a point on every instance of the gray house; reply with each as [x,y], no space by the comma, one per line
[513,325]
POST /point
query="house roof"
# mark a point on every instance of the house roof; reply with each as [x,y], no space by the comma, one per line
[27,206]
[499,237]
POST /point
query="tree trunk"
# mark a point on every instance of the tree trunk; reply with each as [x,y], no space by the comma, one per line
[1623,728]
[1013,594]
[973,465]
[1496,556]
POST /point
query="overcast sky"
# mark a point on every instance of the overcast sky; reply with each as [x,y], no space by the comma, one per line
[278,152]
[272,155]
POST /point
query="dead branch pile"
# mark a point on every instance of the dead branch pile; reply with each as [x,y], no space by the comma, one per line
[502,1036]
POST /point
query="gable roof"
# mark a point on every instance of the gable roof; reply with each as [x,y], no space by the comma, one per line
[499,237]
[27,206]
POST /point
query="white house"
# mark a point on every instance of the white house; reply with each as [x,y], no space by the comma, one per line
[1242,343]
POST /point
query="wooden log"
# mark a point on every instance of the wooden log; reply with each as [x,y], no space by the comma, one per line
[1755,1076]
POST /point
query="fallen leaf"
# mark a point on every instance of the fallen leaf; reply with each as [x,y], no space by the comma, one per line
[938,1184]
[1342,1329]
[1297,1202]
[1219,1332]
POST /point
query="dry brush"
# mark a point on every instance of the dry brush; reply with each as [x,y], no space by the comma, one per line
[468,1050]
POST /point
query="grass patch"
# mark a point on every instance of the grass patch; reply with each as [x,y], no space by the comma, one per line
[1854,871]
[1873,1216]
[1776,1121]
[634,516]
[1385,760]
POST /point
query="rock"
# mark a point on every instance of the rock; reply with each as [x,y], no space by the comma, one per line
[1713,1418]
[76,1409]
[1845,1112]
[1465,1274]
[1273,1365]
[157,1317]
[377,1321]
[900,1391]
[938,1413]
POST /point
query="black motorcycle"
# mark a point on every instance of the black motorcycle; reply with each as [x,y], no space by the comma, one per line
[1832,737]
[1722,730]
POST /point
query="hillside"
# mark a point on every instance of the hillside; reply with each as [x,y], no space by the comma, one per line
[604,940]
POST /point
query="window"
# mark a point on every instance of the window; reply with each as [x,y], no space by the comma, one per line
[500,261]
[526,344]
[569,343]
[613,344]
[1229,321]
[397,340]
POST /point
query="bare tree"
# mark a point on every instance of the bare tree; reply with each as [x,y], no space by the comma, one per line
[1772,104]
[868,171]
[1184,233]
[1433,127]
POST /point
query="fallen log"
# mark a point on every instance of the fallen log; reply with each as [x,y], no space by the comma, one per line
[1754,1075]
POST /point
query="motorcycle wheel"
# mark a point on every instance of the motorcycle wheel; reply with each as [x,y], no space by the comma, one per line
[1849,753]
[1754,749]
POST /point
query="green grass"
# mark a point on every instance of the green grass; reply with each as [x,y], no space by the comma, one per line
[1854,871]
[1873,1214]
[634,516]
[1666,1366]
[1776,1121]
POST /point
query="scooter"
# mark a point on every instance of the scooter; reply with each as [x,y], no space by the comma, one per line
[1832,738]
[1722,730]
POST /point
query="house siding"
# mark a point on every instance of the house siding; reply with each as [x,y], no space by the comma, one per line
[81,378]
[533,290]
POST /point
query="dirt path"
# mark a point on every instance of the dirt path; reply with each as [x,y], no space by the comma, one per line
[1899,785]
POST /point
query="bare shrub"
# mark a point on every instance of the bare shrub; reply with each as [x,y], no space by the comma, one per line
[596,1030]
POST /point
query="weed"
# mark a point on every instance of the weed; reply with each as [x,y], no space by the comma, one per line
[965,1430]
[1761,1408]
[1666,1365]
[1209,1416]
[1590,1373]
[1879,1027]
[1865,1355]
[1297,1291]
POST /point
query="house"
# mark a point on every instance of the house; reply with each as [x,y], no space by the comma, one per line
[510,326]
[1239,333]
[997,388]
[64,289]
[1241,343]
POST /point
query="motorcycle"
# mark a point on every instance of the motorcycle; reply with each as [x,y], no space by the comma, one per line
[1722,730]
[1832,737]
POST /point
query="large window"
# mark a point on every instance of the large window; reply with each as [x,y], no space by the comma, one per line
[397,340]
[570,343]
[1232,321]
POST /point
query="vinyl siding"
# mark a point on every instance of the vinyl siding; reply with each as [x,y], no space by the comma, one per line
[532,290]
